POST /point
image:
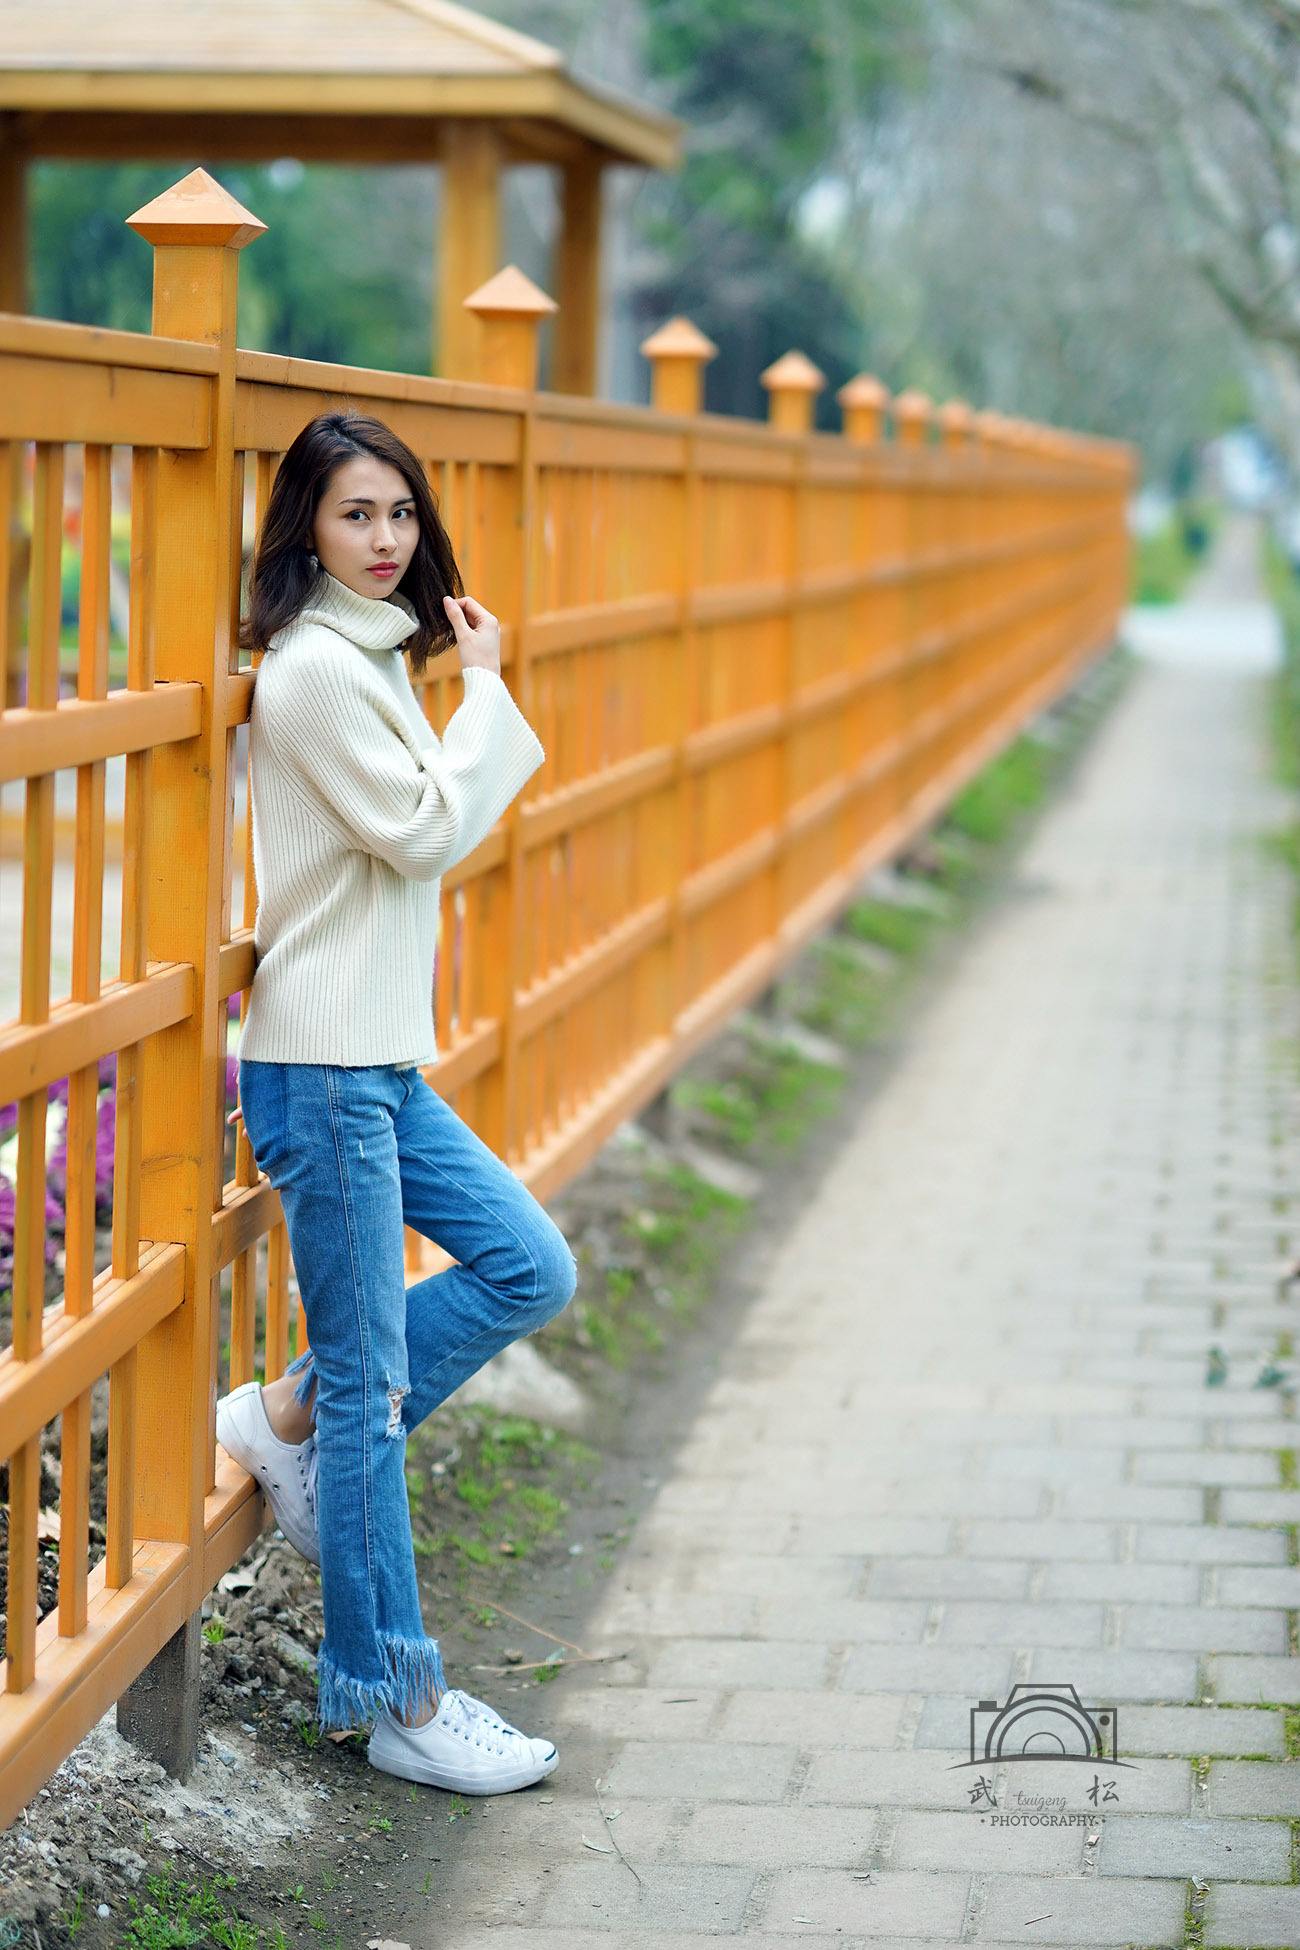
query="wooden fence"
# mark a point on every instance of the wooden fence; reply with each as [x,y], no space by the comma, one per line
[759,658]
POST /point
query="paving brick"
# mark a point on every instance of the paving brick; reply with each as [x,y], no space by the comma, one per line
[799,1577]
[1279,1433]
[1131,1503]
[850,1621]
[1055,1464]
[1240,1468]
[923,1497]
[1203,1628]
[597,1894]
[1255,1787]
[1090,1911]
[975,1840]
[819,1721]
[1226,1730]
[1136,1431]
[1262,1506]
[1103,1677]
[1260,1585]
[901,1779]
[1090,1542]
[978,1671]
[701,1770]
[892,1902]
[972,1623]
[738,1833]
[631,1712]
[674,1614]
[872,1536]
[1245,1681]
[740,1662]
[947,1577]
[1122,1583]
[1209,1544]
[1233,1851]
[1266,1919]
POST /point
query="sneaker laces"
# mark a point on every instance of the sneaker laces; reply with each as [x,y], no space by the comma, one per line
[477,1722]
[307,1474]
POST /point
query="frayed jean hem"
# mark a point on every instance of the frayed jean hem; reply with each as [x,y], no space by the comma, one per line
[306,1364]
[412,1681]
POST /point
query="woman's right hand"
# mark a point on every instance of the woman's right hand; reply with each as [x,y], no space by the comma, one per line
[478,634]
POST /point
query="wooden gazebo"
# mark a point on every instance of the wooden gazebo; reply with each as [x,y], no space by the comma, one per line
[360,81]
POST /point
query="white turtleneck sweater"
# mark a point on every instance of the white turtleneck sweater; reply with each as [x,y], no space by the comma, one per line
[358,809]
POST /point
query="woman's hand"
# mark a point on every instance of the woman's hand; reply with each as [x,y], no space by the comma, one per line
[478,634]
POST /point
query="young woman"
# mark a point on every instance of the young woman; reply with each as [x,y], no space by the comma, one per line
[358,809]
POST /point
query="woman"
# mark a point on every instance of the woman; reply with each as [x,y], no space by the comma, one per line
[359,808]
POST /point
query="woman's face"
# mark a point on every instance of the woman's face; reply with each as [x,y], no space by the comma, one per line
[366,526]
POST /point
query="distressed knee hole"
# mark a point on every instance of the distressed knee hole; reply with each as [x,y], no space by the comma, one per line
[397,1394]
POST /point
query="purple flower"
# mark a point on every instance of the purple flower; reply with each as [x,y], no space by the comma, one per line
[105,1133]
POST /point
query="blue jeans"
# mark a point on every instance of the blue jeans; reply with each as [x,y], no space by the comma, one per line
[355,1154]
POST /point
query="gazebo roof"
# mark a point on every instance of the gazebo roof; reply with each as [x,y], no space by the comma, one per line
[69,68]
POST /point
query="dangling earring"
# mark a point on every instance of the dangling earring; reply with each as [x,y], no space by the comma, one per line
[312,559]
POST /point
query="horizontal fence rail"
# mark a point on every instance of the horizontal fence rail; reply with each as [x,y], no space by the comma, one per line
[759,659]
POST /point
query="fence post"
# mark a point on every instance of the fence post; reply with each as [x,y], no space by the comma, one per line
[510,310]
[793,383]
[956,423]
[913,416]
[678,353]
[863,401]
[197,231]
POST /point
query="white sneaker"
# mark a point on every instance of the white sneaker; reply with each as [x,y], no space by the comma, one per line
[465,1746]
[287,1472]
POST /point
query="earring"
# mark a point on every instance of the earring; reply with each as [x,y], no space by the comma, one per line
[312,559]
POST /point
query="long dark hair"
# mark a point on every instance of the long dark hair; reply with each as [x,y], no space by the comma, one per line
[284,577]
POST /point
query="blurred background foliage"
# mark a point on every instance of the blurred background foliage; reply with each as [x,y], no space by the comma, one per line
[889,184]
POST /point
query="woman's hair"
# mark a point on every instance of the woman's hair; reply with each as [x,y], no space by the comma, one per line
[285,574]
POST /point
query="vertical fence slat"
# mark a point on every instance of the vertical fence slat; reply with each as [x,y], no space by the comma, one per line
[119,1553]
[135,865]
[38,881]
[74,1515]
[24,1509]
[88,891]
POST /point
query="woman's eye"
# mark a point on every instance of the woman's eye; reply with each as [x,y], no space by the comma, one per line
[356,514]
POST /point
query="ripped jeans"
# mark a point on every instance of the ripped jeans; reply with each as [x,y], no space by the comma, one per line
[355,1154]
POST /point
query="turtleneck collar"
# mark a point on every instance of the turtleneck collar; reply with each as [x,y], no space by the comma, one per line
[372,622]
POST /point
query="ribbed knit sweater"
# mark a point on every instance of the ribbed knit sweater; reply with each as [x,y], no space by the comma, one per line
[358,809]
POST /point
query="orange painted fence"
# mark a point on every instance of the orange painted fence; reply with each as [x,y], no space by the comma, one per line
[759,658]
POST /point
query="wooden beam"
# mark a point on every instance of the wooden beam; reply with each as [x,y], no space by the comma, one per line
[13,221]
[53,103]
[469,241]
[577,328]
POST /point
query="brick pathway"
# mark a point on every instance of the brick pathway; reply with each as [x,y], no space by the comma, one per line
[965,1442]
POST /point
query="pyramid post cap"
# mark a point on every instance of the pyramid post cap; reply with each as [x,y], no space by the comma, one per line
[913,405]
[679,339]
[793,372]
[864,389]
[509,294]
[197,210]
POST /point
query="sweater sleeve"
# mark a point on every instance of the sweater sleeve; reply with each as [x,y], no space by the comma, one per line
[341,735]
